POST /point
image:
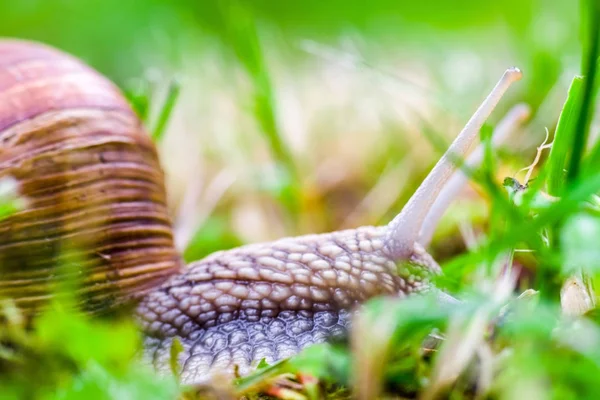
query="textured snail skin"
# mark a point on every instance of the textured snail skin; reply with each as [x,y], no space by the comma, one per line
[271,300]
[92,179]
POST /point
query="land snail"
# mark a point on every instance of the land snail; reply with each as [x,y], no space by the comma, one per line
[92,178]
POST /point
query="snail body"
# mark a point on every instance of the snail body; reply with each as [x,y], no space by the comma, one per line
[93,182]
[270,300]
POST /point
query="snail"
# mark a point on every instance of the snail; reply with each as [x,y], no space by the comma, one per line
[94,183]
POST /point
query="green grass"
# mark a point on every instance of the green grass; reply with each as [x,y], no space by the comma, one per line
[166,110]
[69,356]
[565,130]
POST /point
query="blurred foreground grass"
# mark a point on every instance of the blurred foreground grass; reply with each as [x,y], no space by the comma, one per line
[282,119]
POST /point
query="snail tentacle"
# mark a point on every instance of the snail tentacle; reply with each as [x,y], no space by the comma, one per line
[450,190]
[404,228]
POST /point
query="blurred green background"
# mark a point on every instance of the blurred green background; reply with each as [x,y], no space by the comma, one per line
[298,117]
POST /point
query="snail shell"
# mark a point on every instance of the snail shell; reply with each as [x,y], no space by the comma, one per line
[93,182]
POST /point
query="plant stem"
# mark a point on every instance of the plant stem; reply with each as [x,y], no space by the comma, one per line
[589,66]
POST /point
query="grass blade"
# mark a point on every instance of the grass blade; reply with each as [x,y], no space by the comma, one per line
[565,130]
[589,67]
[166,110]
[241,32]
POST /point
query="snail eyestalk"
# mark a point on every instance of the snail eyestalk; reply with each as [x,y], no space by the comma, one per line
[403,230]
[517,115]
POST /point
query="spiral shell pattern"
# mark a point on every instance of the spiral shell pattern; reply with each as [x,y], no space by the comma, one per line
[96,204]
